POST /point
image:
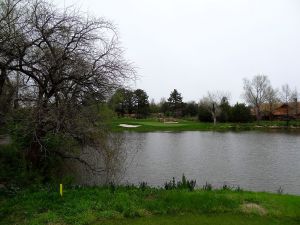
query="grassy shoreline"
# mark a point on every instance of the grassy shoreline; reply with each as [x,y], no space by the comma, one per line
[151,125]
[132,205]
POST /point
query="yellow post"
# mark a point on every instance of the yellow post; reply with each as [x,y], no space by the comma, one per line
[61,189]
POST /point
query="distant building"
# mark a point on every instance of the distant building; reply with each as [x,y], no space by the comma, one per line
[279,111]
[290,110]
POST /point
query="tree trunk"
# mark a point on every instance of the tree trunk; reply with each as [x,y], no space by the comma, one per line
[258,115]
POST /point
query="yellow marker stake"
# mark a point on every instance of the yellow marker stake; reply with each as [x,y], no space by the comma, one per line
[61,189]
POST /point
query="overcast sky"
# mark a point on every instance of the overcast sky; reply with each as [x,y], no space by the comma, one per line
[198,46]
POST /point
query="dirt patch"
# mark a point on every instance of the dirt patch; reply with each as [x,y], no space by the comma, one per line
[253,208]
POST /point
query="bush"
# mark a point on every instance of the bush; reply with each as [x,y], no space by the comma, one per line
[204,115]
[183,184]
[207,187]
[240,113]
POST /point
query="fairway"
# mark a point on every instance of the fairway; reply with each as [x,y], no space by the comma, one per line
[153,124]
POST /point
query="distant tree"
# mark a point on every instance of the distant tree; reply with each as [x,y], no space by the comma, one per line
[271,99]
[190,109]
[141,103]
[204,114]
[255,92]
[175,103]
[153,107]
[122,102]
[128,101]
[225,110]
[287,96]
[212,103]
[164,107]
[240,113]
[116,102]
[295,96]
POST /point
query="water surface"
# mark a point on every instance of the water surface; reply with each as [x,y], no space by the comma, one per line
[253,160]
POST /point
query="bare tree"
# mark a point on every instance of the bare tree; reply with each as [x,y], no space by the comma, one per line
[213,101]
[68,63]
[295,96]
[271,98]
[288,96]
[255,92]
[11,37]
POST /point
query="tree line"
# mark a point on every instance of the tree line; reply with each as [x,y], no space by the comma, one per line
[211,108]
[257,93]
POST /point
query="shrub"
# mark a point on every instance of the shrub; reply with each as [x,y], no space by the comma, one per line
[240,113]
[143,185]
[204,115]
[183,184]
[207,187]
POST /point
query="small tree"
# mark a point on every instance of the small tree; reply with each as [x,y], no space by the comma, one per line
[212,103]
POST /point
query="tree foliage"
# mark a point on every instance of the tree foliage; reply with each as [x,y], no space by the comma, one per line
[240,113]
[175,103]
[141,103]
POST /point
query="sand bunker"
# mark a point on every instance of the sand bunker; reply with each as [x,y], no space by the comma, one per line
[128,125]
[171,122]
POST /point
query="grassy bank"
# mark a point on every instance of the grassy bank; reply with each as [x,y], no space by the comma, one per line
[148,125]
[131,205]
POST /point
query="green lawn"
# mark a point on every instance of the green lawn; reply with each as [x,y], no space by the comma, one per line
[190,125]
[192,219]
[131,205]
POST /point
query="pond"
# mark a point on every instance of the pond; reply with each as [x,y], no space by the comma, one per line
[253,160]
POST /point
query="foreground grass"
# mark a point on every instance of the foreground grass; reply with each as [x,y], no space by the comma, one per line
[212,219]
[130,205]
[148,125]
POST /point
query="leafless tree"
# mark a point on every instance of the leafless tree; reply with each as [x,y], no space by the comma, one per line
[295,96]
[255,92]
[288,96]
[212,102]
[271,98]
[67,63]
[11,39]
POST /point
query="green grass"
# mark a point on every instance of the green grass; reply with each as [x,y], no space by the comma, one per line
[192,219]
[130,205]
[148,125]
